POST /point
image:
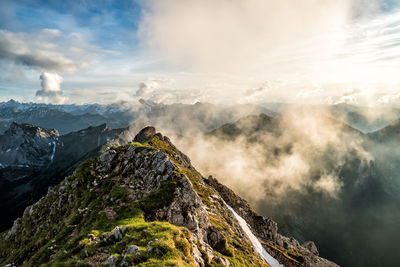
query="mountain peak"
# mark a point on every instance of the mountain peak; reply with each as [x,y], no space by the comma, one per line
[31,130]
[145,134]
[12,101]
[144,203]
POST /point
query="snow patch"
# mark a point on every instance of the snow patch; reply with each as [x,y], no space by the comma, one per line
[53,152]
[255,242]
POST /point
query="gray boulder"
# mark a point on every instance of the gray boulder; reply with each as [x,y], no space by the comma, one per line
[111,261]
[133,249]
[145,134]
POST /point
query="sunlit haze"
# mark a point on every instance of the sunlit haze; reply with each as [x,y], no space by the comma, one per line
[227,52]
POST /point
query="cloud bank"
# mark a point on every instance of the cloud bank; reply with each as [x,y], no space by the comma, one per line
[315,49]
[234,35]
[300,152]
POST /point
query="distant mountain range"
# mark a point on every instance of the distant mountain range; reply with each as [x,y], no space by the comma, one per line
[204,117]
[54,117]
[67,118]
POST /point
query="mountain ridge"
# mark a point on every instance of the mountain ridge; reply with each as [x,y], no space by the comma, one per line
[144,203]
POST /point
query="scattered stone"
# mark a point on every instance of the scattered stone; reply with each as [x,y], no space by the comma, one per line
[154,250]
[110,213]
[133,249]
[111,261]
[117,233]
[123,229]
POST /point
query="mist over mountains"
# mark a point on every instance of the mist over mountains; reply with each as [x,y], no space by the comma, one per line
[318,171]
[317,176]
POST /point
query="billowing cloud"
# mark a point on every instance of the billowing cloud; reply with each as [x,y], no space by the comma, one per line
[303,150]
[146,87]
[391,98]
[334,45]
[50,91]
[351,97]
[47,50]
[233,35]
[328,184]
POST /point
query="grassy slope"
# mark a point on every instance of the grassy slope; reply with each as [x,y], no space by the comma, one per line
[69,228]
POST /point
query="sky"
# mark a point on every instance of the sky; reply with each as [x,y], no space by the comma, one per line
[218,51]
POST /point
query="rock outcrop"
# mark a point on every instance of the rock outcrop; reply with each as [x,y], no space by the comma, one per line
[144,203]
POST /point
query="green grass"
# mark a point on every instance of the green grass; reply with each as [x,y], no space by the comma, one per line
[158,199]
[173,242]
[118,192]
[139,146]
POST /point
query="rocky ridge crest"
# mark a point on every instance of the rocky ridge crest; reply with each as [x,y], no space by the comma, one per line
[145,204]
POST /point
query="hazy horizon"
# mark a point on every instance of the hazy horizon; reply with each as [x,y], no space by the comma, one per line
[210,51]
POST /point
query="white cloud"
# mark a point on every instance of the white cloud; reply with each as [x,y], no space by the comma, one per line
[330,45]
[51,89]
[351,97]
[328,184]
[393,98]
[146,87]
[234,35]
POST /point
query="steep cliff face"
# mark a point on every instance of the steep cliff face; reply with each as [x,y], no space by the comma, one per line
[145,204]
[25,145]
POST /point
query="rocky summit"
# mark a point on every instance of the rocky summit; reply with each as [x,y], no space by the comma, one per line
[144,204]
